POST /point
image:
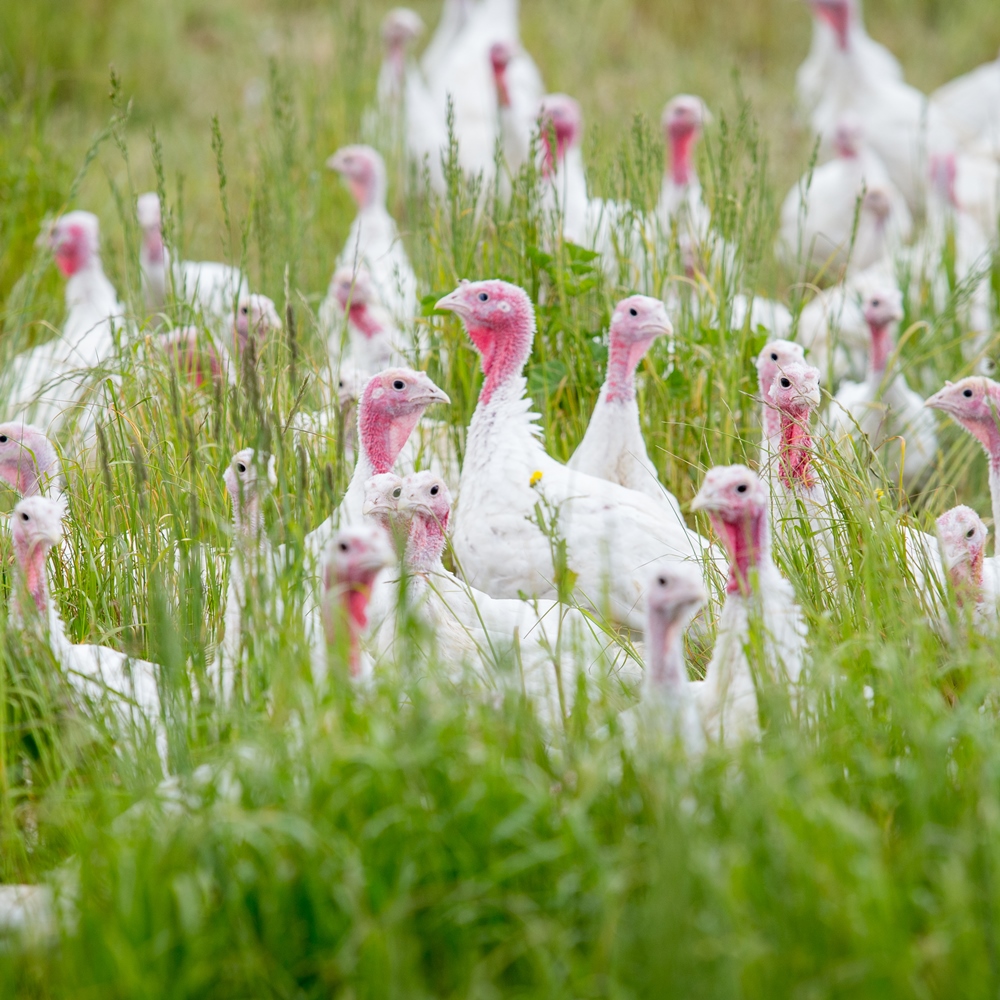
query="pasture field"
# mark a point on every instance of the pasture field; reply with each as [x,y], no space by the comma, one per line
[417,839]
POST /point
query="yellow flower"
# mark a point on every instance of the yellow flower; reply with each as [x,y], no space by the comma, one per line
[536,478]
[879,494]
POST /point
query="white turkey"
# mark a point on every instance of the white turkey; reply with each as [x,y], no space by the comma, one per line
[681,213]
[509,484]
[368,338]
[351,563]
[210,289]
[29,464]
[774,356]
[538,646]
[390,407]
[899,123]
[59,379]
[974,578]
[971,105]
[100,675]
[668,710]
[202,356]
[759,618]
[837,25]
[974,402]
[884,409]
[253,570]
[455,16]
[613,447]
[615,231]
[517,100]
[374,239]
[821,224]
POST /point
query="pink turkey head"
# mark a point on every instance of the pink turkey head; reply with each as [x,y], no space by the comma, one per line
[363,169]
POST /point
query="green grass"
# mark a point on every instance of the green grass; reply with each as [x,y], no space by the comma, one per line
[413,840]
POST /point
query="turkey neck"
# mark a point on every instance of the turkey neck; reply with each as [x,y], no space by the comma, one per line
[364,320]
[349,618]
[748,545]
[681,146]
[665,669]
[967,579]
[31,560]
[878,357]
[425,544]
[504,353]
[623,359]
[795,451]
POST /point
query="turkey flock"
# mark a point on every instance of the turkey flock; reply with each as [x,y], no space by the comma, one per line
[508,568]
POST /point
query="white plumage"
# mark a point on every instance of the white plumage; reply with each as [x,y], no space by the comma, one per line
[58,379]
[883,408]
[374,241]
[837,25]
[818,216]
[759,614]
[971,105]
[97,673]
[211,289]
[974,578]
[611,533]
[613,447]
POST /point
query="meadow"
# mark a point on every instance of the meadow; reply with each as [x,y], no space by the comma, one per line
[412,840]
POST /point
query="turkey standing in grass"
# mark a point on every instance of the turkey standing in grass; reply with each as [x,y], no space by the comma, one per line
[95,672]
[818,215]
[611,533]
[837,25]
[252,565]
[668,710]
[975,579]
[541,645]
[352,562]
[374,239]
[759,613]
[373,340]
[53,380]
[29,464]
[211,289]
[884,407]
[680,209]
[975,403]
[613,447]
[773,357]
[390,406]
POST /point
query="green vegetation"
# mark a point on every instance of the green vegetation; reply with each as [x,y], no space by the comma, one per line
[415,840]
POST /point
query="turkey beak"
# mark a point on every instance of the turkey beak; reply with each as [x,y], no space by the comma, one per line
[939,400]
[336,162]
[453,302]
[378,506]
[431,394]
[705,500]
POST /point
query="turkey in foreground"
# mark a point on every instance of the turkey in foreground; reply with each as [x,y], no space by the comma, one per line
[759,615]
[509,484]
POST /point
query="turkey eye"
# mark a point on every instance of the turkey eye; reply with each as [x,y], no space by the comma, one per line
[3,438]
[244,310]
[24,517]
[742,488]
[967,394]
[483,296]
[343,546]
[399,384]
[633,312]
[970,532]
[434,491]
[397,492]
[662,581]
[785,384]
[774,357]
[241,467]
[876,303]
